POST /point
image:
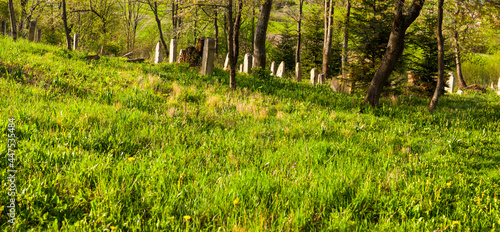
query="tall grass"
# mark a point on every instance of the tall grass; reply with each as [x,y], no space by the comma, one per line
[108,145]
[481,69]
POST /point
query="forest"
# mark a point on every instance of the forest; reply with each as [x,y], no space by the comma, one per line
[249,115]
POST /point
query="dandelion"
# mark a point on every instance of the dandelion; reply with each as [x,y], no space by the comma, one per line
[456,222]
[448,184]
[236,201]
[187,217]
[112,227]
[131,158]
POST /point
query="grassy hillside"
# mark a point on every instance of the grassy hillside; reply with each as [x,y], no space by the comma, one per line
[108,145]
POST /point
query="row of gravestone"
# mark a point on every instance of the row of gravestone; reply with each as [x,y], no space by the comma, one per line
[248,63]
[451,82]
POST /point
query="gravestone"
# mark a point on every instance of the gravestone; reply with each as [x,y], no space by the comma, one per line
[321,78]
[38,36]
[207,62]
[273,68]
[314,76]
[411,78]
[181,54]
[226,63]
[498,85]
[450,83]
[76,39]
[173,51]
[31,36]
[247,63]
[335,84]
[3,29]
[158,53]
[281,70]
[298,72]
[241,67]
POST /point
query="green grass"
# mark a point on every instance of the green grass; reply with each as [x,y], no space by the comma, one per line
[481,69]
[136,147]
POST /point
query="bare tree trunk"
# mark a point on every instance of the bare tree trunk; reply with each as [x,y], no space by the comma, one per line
[21,18]
[458,62]
[216,33]
[259,45]
[327,46]
[154,8]
[440,82]
[299,32]
[12,20]
[394,49]
[65,22]
[175,19]
[346,40]
[233,30]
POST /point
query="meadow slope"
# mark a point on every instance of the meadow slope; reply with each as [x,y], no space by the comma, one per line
[110,145]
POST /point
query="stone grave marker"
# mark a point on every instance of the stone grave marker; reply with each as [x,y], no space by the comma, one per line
[31,36]
[450,83]
[181,53]
[321,78]
[241,67]
[247,63]
[207,63]
[298,72]
[498,85]
[314,76]
[273,68]
[226,63]
[411,78]
[158,53]
[38,36]
[173,51]
[281,70]
[76,39]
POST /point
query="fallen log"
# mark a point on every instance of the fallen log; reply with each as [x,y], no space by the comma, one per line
[139,60]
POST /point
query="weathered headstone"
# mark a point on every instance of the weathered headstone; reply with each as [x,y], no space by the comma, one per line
[241,67]
[335,84]
[181,54]
[3,29]
[247,63]
[298,72]
[321,78]
[226,63]
[158,53]
[173,51]
[281,70]
[31,36]
[314,76]
[76,39]
[38,36]
[498,85]
[273,68]
[207,62]
[460,92]
[450,83]
[411,78]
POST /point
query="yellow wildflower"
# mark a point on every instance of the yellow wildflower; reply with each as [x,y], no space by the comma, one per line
[187,217]
[112,227]
[131,158]
[235,202]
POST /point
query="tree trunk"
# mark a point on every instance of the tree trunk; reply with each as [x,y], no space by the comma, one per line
[65,22]
[216,33]
[175,19]
[299,32]
[259,46]
[440,82]
[327,46]
[458,62]
[233,30]
[346,40]
[20,27]
[394,49]
[12,20]
[154,8]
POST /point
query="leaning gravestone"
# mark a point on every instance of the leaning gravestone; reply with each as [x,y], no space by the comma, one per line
[226,62]
[321,78]
[3,29]
[158,54]
[241,67]
[281,70]
[38,36]
[207,62]
[247,63]
[181,54]
[450,83]
[31,36]
[298,72]
[75,41]
[273,68]
[173,51]
[314,76]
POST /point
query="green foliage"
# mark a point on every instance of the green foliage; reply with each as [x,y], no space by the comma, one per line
[260,73]
[284,49]
[481,69]
[110,145]
[312,50]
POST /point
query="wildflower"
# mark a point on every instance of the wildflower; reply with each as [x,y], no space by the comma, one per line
[235,202]
[112,227]
[448,184]
[294,165]
[456,222]
[131,158]
[187,217]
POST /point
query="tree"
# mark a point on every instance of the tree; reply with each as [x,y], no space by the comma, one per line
[65,22]
[402,20]
[153,5]
[233,31]
[131,14]
[12,19]
[440,82]
[327,41]
[299,32]
[458,62]
[259,45]
[346,40]
[27,10]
